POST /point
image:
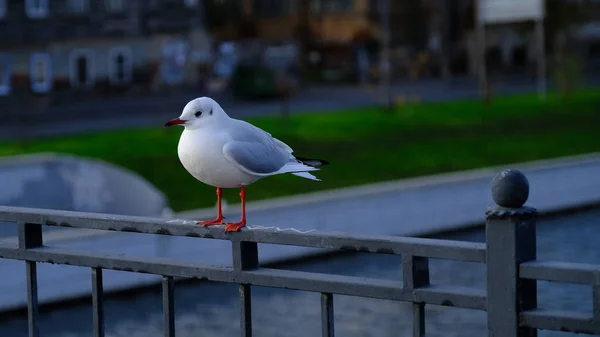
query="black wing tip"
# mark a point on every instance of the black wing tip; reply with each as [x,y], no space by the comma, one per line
[312,162]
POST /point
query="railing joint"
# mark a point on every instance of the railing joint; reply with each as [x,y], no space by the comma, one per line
[30,235]
[245,255]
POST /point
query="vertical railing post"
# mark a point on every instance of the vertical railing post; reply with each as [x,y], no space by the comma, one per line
[327,319]
[510,239]
[415,270]
[168,301]
[97,302]
[245,257]
[596,302]
[30,236]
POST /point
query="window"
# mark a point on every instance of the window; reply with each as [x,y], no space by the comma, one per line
[5,74]
[191,3]
[331,5]
[120,65]
[79,6]
[174,58]
[114,5]
[2,8]
[36,9]
[40,72]
[81,70]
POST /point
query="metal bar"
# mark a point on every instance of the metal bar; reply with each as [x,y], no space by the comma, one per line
[415,275]
[30,235]
[418,319]
[596,302]
[415,272]
[97,302]
[566,321]
[246,310]
[168,303]
[433,248]
[33,313]
[560,272]
[245,255]
[278,278]
[327,320]
[451,296]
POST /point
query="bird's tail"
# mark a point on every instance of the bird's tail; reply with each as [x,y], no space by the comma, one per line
[306,175]
[312,162]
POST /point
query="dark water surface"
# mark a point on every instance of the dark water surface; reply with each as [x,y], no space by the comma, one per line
[211,309]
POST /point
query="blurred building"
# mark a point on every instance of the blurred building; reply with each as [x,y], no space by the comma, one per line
[428,38]
[55,52]
[84,48]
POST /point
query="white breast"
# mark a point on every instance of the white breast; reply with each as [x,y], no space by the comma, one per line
[201,155]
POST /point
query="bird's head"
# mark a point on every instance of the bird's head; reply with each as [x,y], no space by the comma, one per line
[199,112]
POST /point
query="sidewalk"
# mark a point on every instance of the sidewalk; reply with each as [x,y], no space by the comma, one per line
[411,207]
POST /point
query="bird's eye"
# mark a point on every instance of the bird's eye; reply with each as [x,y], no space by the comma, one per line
[198,113]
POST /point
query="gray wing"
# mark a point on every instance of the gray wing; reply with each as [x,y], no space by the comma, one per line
[255,151]
[255,157]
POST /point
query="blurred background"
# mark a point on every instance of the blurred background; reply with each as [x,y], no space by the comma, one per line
[391,92]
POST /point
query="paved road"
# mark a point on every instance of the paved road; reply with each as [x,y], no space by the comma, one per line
[409,207]
[124,113]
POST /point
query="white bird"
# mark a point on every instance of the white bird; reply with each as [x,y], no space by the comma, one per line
[226,152]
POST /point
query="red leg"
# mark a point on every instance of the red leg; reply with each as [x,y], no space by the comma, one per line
[236,226]
[220,217]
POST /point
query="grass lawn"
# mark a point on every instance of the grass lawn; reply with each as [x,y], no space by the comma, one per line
[364,145]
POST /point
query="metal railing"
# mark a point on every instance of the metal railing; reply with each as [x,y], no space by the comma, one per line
[509,252]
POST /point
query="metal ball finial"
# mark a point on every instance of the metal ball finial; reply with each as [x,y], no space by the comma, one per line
[510,189]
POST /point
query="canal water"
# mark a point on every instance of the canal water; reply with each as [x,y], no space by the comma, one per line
[211,309]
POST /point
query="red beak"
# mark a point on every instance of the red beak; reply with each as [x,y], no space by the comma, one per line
[175,121]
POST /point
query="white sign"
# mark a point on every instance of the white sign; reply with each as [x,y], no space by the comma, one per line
[504,11]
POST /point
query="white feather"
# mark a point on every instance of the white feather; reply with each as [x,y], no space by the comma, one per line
[306,175]
[295,166]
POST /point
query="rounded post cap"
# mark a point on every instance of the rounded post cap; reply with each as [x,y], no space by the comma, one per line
[510,189]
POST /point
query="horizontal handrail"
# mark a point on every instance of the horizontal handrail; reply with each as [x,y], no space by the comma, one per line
[561,272]
[567,321]
[432,248]
[316,282]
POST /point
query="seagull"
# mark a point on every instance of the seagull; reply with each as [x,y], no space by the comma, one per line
[225,152]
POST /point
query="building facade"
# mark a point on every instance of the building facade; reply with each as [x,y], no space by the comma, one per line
[69,49]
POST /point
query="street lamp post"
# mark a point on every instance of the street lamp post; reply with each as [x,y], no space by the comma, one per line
[385,78]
